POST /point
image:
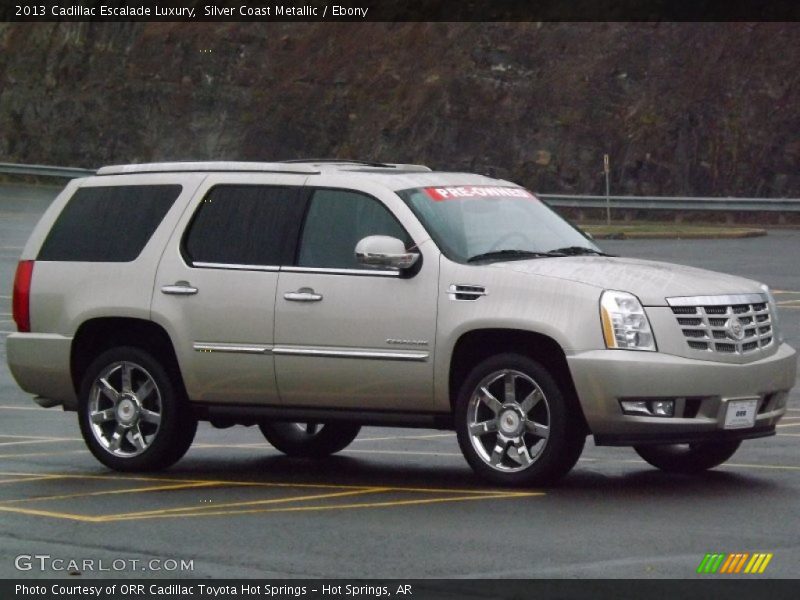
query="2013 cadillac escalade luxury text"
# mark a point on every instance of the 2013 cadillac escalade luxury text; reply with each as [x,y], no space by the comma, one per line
[313,297]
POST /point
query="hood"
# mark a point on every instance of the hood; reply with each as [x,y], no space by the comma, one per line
[652,282]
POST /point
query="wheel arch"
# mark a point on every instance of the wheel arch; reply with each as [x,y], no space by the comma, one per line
[476,345]
[97,335]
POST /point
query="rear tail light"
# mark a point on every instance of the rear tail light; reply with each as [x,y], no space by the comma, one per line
[22,295]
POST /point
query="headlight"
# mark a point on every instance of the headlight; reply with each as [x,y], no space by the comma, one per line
[625,323]
[773,309]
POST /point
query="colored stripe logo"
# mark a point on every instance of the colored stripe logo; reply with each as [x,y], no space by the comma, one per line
[736,563]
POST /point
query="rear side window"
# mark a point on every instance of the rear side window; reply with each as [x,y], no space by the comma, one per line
[336,222]
[245,225]
[108,224]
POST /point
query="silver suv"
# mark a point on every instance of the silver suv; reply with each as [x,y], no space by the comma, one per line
[313,297]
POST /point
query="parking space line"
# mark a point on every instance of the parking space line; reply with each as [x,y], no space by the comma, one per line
[749,466]
[224,482]
[32,437]
[232,446]
[39,408]
[50,513]
[29,478]
[140,490]
[405,437]
[219,482]
[242,507]
[32,454]
[200,510]
[51,441]
[409,452]
[420,501]
[388,504]
[788,434]
[730,465]
[788,425]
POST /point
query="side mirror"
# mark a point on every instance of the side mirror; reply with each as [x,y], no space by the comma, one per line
[382,251]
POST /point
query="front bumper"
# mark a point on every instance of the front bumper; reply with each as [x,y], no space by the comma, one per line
[603,377]
[40,362]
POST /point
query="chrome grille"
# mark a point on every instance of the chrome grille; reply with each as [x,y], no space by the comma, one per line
[726,324]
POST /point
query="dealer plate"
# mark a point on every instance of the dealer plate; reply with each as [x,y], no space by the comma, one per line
[741,414]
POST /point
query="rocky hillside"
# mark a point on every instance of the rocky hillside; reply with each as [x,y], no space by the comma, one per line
[697,109]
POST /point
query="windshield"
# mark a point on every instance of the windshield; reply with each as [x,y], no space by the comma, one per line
[493,223]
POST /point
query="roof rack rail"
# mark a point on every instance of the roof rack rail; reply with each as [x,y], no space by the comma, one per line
[169,167]
[354,165]
[367,163]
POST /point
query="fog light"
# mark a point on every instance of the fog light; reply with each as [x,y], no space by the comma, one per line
[635,407]
[649,408]
[662,408]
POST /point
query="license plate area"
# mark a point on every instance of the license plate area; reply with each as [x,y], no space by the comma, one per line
[741,414]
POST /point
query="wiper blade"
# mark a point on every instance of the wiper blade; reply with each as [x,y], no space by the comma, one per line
[508,254]
[575,251]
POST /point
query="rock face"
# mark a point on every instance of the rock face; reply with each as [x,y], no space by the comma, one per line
[681,108]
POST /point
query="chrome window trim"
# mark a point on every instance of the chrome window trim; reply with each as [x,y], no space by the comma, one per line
[275,268]
[235,267]
[232,348]
[364,354]
[360,272]
[755,298]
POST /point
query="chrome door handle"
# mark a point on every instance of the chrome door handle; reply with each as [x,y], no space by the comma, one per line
[179,288]
[304,294]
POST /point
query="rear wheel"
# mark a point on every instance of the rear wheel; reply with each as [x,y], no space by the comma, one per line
[513,424]
[131,413]
[310,440]
[688,458]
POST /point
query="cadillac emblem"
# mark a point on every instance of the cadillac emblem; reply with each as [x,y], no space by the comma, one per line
[734,329]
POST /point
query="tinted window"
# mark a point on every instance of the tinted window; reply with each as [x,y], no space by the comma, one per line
[245,225]
[108,224]
[336,222]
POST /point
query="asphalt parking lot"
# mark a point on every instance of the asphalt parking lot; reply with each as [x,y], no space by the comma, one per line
[397,503]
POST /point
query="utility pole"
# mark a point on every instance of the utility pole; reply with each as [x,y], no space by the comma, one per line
[608,193]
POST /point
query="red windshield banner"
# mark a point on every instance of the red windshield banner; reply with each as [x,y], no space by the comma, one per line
[476,191]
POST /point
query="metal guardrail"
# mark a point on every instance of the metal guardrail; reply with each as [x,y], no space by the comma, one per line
[560,200]
[674,203]
[45,171]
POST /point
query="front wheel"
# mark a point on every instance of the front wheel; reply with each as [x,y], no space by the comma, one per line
[309,440]
[688,458]
[513,424]
[132,414]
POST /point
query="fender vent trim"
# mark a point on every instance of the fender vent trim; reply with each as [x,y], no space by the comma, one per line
[466,291]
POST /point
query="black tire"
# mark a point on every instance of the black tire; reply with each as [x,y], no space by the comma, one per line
[688,458]
[169,438]
[309,440]
[555,454]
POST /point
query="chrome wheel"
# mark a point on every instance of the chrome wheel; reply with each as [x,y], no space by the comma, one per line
[124,409]
[309,429]
[508,417]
